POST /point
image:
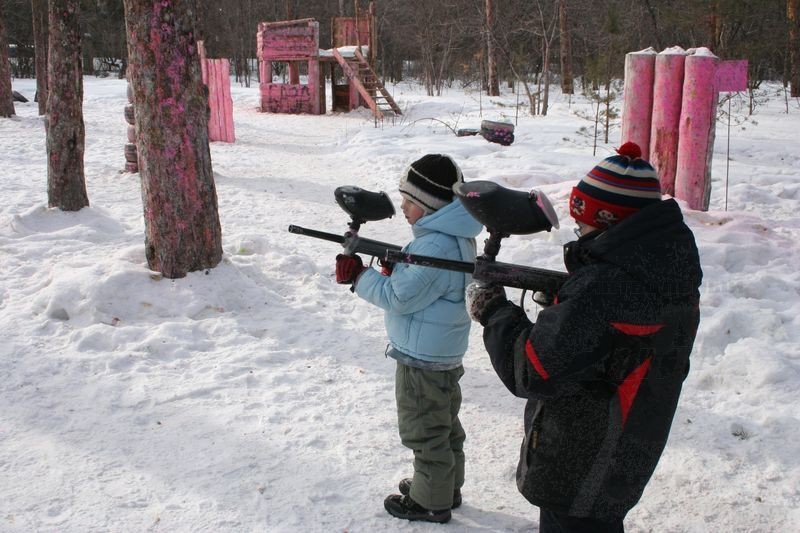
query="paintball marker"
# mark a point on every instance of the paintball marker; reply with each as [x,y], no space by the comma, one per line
[362,206]
[504,212]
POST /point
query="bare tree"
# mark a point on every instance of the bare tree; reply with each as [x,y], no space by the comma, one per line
[6,94]
[567,85]
[547,33]
[493,88]
[793,14]
[66,185]
[182,229]
[39,10]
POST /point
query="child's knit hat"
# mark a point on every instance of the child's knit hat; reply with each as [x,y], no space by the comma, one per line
[616,188]
[428,181]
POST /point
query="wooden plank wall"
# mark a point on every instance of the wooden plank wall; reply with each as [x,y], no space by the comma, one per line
[290,41]
[216,77]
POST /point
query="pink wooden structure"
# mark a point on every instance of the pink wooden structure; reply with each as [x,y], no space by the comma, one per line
[697,131]
[293,42]
[639,74]
[681,125]
[216,77]
[668,92]
[346,32]
[349,64]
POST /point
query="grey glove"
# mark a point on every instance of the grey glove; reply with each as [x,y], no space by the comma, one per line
[481,298]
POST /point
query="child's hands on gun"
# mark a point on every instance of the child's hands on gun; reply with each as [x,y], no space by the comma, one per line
[348,268]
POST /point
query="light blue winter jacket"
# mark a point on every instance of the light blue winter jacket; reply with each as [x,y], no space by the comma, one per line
[425,315]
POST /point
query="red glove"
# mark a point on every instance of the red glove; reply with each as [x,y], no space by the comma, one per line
[386,267]
[348,268]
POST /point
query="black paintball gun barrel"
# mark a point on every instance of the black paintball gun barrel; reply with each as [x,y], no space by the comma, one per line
[504,212]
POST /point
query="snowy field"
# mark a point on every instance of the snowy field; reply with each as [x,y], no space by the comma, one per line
[256,397]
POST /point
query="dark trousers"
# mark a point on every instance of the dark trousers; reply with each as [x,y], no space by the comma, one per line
[550,522]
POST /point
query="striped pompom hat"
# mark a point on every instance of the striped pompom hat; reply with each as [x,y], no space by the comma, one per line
[428,181]
[616,188]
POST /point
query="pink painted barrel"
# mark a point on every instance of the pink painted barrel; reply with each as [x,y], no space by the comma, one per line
[638,97]
[696,131]
[667,99]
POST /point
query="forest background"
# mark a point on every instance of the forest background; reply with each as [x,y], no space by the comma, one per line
[470,42]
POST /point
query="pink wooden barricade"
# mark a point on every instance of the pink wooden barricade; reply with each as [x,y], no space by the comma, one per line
[696,132]
[638,91]
[681,123]
[216,76]
[668,92]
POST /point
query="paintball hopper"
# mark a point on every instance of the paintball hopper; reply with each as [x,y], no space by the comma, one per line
[362,205]
[507,211]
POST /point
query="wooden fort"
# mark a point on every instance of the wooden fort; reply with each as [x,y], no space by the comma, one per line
[289,50]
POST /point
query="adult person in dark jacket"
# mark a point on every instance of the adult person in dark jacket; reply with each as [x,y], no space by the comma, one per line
[602,368]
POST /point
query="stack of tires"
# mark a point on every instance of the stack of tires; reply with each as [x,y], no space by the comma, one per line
[131,155]
[497,132]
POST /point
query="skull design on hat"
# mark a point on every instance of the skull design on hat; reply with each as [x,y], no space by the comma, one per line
[577,205]
[604,218]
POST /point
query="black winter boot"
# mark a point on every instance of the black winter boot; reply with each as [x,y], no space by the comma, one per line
[405,488]
[402,506]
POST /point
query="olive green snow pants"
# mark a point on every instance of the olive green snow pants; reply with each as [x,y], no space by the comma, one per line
[428,402]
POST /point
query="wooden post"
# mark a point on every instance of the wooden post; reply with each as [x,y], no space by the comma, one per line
[667,98]
[696,131]
[638,98]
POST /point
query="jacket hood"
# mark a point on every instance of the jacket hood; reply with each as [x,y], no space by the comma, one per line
[654,246]
[451,219]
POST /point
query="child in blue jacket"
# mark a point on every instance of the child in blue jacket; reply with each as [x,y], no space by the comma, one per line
[428,328]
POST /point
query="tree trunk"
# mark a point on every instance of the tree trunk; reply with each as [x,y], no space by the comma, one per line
[39,9]
[491,60]
[6,94]
[66,185]
[793,14]
[567,84]
[182,230]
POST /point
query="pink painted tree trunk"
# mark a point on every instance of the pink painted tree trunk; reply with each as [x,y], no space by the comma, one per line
[66,185]
[182,229]
[638,94]
[667,99]
[6,95]
[697,129]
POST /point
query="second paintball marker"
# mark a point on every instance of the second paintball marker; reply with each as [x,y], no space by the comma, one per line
[504,212]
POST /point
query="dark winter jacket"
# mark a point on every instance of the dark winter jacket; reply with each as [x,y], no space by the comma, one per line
[604,366]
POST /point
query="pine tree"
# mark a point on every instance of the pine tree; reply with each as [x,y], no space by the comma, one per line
[182,230]
[66,187]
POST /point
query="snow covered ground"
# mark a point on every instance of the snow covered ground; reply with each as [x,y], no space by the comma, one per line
[256,397]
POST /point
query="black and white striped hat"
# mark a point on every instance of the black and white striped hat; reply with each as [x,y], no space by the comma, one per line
[428,181]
